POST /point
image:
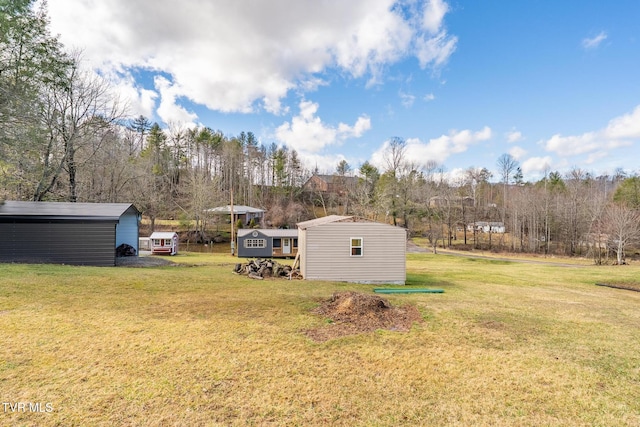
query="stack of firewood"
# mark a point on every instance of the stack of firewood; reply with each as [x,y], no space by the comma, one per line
[261,268]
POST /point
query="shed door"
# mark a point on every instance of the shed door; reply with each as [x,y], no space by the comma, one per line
[286,246]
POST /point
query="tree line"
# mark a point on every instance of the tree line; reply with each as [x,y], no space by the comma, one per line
[575,214]
[65,136]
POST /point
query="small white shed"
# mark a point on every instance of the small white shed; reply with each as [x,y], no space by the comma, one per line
[164,243]
[350,249]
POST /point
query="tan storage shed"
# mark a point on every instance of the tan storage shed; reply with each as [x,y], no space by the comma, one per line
[349,249]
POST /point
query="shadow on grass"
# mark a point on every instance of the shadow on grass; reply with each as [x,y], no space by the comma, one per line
[422,281]
[487,261]
[626,286]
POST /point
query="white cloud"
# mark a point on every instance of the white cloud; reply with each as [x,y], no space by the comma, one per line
[572,145]
[326,163]
[437,149]
[241,56]
[436,46]
[620,132]
[596,156]
[517,152]
[626,126]
[362,125]
[435,50]
[455,176]
[307,133]
[137,100]
[434,12]
[514,136]
[168,110]
[594,42]
[429,97]
[376,39]
[407,99]
[536,165]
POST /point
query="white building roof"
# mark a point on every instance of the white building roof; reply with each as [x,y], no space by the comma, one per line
[237,210]
[162,235]
[320,221]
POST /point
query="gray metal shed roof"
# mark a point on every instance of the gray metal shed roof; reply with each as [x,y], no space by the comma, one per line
[270,232]
[64,210]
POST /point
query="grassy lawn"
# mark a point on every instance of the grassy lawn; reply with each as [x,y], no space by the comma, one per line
[506,344]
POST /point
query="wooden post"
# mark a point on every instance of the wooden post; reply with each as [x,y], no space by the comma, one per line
[233,240]
[296,261]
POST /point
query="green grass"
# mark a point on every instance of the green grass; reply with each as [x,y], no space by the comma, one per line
[506,344]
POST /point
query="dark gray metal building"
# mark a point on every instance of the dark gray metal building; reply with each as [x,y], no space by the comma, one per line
[66,233]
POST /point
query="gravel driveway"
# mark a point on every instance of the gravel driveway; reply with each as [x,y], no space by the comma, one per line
[143,260]
[413,248]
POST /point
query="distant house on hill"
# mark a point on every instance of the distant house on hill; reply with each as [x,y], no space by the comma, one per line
[487,227]
[455,201]
[330,184]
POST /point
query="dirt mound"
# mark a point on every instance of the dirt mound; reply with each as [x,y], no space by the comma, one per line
[352,313]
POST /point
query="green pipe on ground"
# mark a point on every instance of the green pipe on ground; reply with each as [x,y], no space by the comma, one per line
[407,291]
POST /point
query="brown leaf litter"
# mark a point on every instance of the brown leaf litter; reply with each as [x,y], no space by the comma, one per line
[352,313]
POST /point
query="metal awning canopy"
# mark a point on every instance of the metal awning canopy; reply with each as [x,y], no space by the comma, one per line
[237,210]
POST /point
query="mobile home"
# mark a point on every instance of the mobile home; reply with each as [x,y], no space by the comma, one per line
[267,243]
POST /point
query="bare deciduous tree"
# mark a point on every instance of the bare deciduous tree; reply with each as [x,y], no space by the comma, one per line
[507,164]
[622,224]
[394,155]
[77,115]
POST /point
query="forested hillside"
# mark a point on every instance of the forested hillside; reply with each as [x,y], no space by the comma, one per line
[65,136]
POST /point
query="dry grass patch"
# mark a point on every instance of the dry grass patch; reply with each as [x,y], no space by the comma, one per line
[506,344]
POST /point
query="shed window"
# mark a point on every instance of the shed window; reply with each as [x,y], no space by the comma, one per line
[255,243]
[277,243]
[356,246]
[161,242]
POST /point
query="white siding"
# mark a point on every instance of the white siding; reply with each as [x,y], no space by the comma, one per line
[326,253]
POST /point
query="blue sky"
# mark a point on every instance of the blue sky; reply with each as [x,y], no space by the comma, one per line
[554,83]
